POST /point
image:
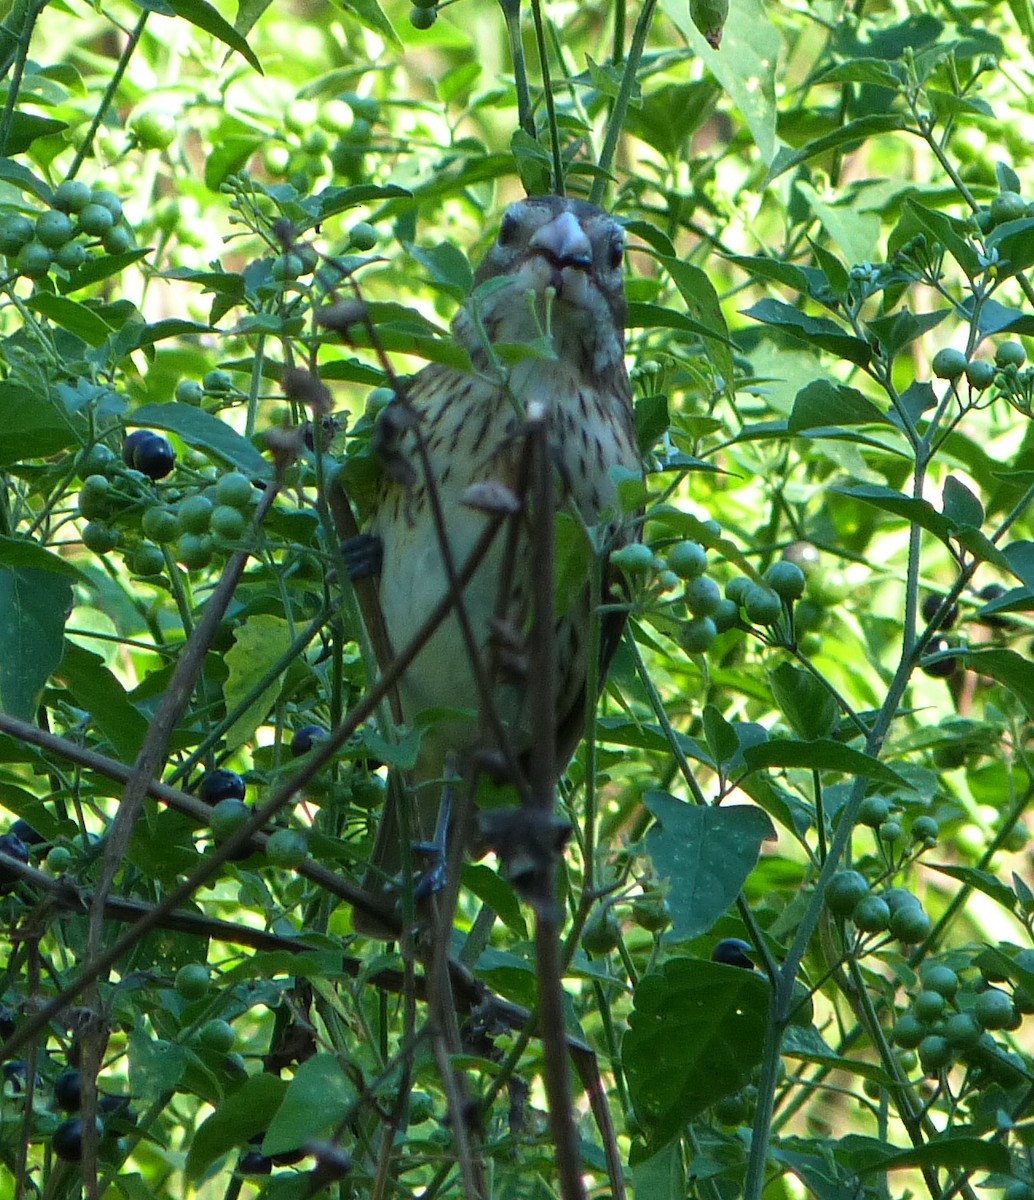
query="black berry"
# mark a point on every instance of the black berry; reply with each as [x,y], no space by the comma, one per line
[221,785]
[305,738]
[734,952]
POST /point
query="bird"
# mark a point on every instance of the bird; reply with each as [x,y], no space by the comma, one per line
[553,278]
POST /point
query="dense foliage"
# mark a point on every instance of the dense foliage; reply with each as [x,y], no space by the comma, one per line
[798,943]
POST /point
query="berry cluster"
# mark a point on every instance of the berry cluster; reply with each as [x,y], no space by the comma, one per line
[849,897]
[80,219]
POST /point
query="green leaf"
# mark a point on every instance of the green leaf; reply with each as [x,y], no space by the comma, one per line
[1007,668]
[155,1066]
[20,552]
[71,315]
[26,127]
[960,505]
[34,606]
[824,403]
[33,425]
[370,14]
[706,854]
[317,1099]
[19,176]
[491,889]
[238,1118]
[204,16]
[854,233]
[1014,241]
[695,1033]
[821,755]
[447,266]
[720,735]
[95,689]
[951,1151]
[204,432]
[846,137]
[815,331]
[701,299]
[806,704]
[745,66]
[773,270]
[950,233]
[903,327]
[981,881]
[258,644]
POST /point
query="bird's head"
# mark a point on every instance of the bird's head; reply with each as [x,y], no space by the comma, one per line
[557,265]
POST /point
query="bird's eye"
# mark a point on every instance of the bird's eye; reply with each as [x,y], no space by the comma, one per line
[616,251]
[508,230]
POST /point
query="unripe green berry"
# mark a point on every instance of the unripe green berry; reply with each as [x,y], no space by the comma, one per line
[192,981]
[980,373]
[844,891]
[948,363]
[687,559]
[786,579]
[1010,354]
[698,635]
[871,914]
[422,18]
[702,596]
[762,606]
[362,236]
[873,812]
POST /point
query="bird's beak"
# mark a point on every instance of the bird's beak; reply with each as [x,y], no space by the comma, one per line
[563,243]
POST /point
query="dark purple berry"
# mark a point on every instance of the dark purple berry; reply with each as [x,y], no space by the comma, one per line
[67,1142]
[930,607]
[734,952]
[149,453]
[68,1091]
[941,668]
[305,738]
[22,829]
[254,1163]
[221,785]
[13,847]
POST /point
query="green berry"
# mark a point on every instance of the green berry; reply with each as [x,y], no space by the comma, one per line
[286,267]
[702,596]
[890,831]
[194,551]
[15,232]
[161,525]
[100,537]
[227,817]
[195,513]
[941,979]
[369,792]
[651,914]
[95,498]
[935,1053]
[948,363]
[730,1110]
[59,860]
[34,260]
[634,559]
[844,891]
[235,490]
[736,589]
[908,1032]
[71,196]
[118,240]
[994,1009]
[786,579]
[192,981]
[871,914]
[146,560]
[217,381]
[762,606]
[900,898]
[53,229]
[1009,206]
[726,615]
[698,635]
[217,1035]
[286,848]
[71,256]
[687,559]
[154,130]
[422,18]
[828,587]
[362,236]
[928,1007]
[980,373]
[109,201]
[95,220]
[961,1031]
[1010,354]
[910,924]
[228,523]
[601,933]
[925,829]
[873,812]
[189,391]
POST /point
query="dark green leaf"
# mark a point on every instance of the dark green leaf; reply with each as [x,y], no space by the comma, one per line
[773,270]
[806,704]
[19,176]
[951,1151]
[695,1033]
[824,403]
[1014,241]
[949,232]
[155,1066]
[980,881]
[447,266]
[701,299]
[821,755]
[706,854]
[33,426]
[902,328]
[238,1118]
[26,127]
[34,606]
[960,506]
[815,331]
[69,314]
[96,690]
[847,136]
[491,889]
[20,552]
[721,737]
[318,1097]
[370,14]
[1010,669]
